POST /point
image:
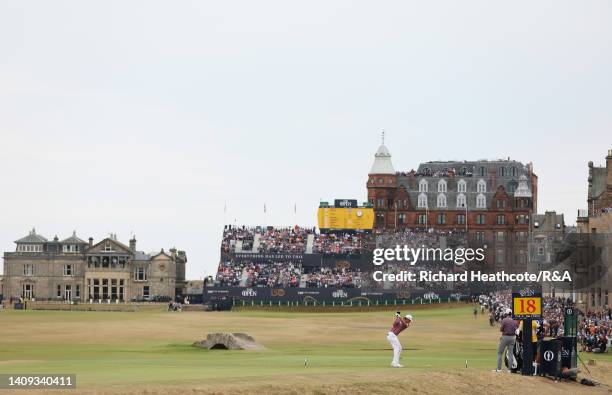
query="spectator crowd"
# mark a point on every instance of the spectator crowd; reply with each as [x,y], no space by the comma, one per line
[594,328]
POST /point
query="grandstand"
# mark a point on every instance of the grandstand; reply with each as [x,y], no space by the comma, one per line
[306,262]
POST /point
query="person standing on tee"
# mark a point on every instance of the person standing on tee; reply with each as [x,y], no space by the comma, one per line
[508,329]
[399,325]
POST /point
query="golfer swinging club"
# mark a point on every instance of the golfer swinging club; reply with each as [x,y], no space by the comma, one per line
[398,326]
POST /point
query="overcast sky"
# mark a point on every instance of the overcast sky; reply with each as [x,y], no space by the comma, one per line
[148,117]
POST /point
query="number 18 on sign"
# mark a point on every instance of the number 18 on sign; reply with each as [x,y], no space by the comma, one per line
[527,306]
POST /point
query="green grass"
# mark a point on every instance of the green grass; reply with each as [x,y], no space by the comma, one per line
[155,348]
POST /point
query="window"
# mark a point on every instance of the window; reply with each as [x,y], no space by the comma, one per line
[78,291]
[501,203]
[29,248]
[121,288]
[499,256]
[145,292]
[480,237]
[441,200]
[422,200]
[461,201]
[481,219]
[442,186]
[521,219]
[502,171]
[140,274]
[422,219]
[96,289]
[501,219]
[401,218]
[540,250]
[481,171]
[513,171]
[108,247]
[481,186]
[27,291]
[105,293]
[481,201]
[500,236]
[70,248]
[521,236]
[380,202]
[59,291]
[441,219]
[67,270]
[113,293]
[68,292]
[423,186]
[28,270]
[461,219]
[461,186]
[380,218]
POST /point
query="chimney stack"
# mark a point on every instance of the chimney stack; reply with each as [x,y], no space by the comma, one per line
[133,243]
[91,241]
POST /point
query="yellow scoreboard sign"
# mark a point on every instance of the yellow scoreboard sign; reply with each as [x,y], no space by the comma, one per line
[527,306]
[358,218]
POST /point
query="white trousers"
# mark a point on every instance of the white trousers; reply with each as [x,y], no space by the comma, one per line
[397,347]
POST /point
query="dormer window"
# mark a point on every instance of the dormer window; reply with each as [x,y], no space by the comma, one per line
[481,187]
[71,248]
[442,186]
[29,248]
[461,186]
[423,186]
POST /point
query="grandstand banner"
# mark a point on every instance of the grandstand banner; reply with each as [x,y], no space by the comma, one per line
[345,203]
[263,257]
[313,260]
[334,218]
[273,295]
[338,261]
